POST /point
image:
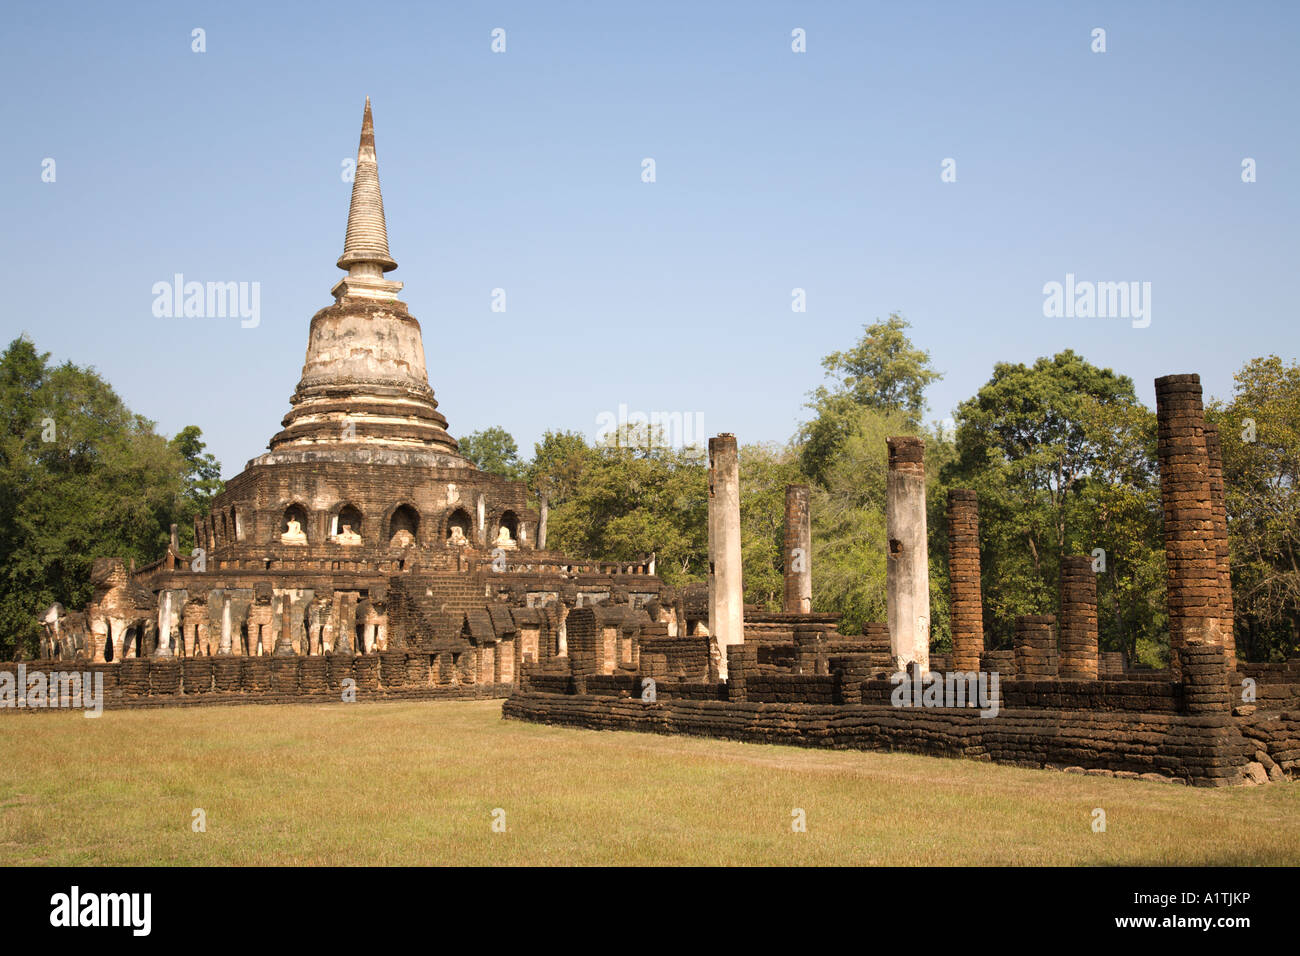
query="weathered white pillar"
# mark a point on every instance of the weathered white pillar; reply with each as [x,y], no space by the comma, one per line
[541,523]
[726,597]
[482,521]
[224,647]
[908,569]
[164,648]
[797,598]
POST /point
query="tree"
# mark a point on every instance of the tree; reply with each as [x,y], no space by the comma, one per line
[81,476]
[557,466]
[765,472]
[628,501]
[200,483]
[1260,433]
[493,450]
[883,372]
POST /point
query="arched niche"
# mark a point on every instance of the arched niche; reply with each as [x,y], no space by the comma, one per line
[507,533]
[293,525]
[403,527]
[458,527]
[347,525]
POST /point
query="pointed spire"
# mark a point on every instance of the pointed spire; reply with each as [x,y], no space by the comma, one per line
[366,243]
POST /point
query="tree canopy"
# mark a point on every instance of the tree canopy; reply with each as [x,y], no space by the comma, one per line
[81,476]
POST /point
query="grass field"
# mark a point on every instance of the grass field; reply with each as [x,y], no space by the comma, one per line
[417,783]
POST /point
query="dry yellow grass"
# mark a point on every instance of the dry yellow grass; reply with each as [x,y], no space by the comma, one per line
[417,783]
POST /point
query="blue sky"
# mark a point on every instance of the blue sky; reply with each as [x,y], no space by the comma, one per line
[522,171]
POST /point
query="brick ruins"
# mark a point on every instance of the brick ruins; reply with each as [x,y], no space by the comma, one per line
[1053,700]
[363,547]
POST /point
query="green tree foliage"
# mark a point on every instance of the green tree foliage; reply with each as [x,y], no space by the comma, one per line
[558,463]
[201,481]
[883,372]
[622,501]
[877,390]
[1260,432]
[81,476]
[493,450]
[1062,455]
[765,471]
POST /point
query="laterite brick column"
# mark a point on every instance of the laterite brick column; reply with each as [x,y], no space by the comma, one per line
[1035,646]
[1078,618]
[1205,678]
[964,579]
[1219,509]
[907,578]
[797,555]
[741,659]
[1190,550]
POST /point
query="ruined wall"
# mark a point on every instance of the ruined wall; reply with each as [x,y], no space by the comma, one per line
[169,682]
[1201,750]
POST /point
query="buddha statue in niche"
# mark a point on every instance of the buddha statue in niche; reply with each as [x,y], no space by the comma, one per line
[347,536]
[293,533]
[504,540]
[457,537]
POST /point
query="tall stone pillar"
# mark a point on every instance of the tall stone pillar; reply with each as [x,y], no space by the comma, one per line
[1078,640]
[964,579]
[226,624]
[1204,674]
[1189,530]
[545,513]
[726,597]
[908,569]
[1218,507]
[798,551]
[164,648]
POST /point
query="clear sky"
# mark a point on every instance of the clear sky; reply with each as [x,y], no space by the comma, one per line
[522,170]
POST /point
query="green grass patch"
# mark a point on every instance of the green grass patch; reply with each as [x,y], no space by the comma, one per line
[417,783]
